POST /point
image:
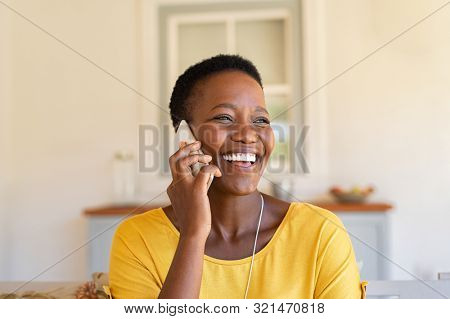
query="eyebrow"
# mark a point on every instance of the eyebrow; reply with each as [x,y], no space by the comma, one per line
[232,106]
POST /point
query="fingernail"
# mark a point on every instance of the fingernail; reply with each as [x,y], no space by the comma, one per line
[208,157]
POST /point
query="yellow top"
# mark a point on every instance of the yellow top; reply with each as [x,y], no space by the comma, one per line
[309,256]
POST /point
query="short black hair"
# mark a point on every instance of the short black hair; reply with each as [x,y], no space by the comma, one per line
[186,82]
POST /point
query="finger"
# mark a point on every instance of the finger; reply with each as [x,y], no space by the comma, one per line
[192,159]
[205,173]
[182,152]
[185,149]
[182,144]
[217,172]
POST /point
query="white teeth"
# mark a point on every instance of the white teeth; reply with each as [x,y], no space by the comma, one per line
[244,157]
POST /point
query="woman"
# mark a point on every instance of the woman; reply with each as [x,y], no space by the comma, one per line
[229,241]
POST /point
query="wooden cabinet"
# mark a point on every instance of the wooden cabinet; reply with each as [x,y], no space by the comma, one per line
[102,223]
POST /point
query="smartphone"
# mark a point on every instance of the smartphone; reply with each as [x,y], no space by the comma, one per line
[184,133]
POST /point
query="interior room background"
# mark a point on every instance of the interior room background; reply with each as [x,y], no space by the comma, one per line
[385,122]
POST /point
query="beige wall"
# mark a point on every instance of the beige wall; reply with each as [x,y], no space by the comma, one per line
[388,120]
[68,118]
[5,106]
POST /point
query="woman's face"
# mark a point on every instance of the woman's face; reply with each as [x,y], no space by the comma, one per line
[228,115]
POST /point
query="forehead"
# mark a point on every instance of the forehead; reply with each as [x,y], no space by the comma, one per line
[234,87]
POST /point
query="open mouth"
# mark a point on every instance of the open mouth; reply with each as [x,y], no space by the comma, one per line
[245,160]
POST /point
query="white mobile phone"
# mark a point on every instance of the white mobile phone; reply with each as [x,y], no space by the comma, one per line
[184,133]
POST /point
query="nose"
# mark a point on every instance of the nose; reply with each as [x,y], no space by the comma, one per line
[244,134]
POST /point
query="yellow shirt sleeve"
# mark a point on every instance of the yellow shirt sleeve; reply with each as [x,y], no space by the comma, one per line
[337,270]
[129,278]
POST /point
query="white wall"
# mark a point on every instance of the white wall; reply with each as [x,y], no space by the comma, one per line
[5,173]
[388,120]
[68,118]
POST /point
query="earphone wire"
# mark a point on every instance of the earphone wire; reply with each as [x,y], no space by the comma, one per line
[254,247]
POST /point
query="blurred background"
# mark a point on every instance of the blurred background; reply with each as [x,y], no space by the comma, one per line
[79,78]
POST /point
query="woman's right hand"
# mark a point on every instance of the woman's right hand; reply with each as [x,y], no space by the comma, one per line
[188,193]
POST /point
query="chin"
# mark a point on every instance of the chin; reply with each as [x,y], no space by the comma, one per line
[236,186]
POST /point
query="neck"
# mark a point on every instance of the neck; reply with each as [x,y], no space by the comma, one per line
[234,215]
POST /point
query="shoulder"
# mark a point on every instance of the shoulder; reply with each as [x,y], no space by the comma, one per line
[316,214]
[141,223]
[314,220]
[305,212]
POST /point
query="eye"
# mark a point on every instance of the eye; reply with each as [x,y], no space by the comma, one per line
[262,121]
[224,118]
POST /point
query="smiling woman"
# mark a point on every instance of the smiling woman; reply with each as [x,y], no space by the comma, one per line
[229,241]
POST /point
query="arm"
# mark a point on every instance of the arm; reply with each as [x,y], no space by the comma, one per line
[185,274]
[129,278]
[188,195]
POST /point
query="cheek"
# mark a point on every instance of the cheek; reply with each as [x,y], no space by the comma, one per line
[268,139]
[211,137]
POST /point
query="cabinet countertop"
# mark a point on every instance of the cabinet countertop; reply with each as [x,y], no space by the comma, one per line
[111,210]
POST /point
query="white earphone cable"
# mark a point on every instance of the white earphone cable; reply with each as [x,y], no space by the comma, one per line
[254,247]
